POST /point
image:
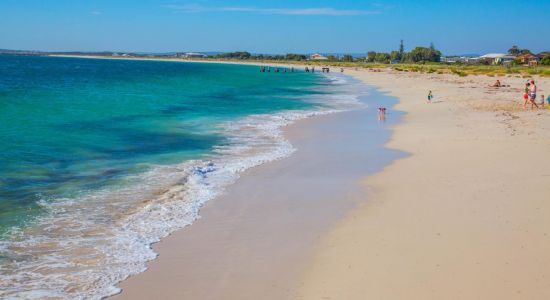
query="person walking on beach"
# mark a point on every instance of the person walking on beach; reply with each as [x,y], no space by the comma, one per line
[526,94]
[530,94]
[533,94]
[430,97]
[533,91]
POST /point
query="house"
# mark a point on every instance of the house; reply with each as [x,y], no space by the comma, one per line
[317,56]
[543,55]
[497,58]
[529,59]
[454,59]
[191,55]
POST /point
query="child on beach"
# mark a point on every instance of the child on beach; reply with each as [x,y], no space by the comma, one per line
[542,101]
[430,97]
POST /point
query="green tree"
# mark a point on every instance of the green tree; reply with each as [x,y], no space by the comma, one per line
[236,55]
[545,60]
[371,56]
[395,55]
[331,57]
[347,58]
[296,57]
[421,54]
[514,50]
[525,51]
[401,50]
[382,57]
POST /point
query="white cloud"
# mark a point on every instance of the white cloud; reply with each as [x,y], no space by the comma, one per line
[322,11]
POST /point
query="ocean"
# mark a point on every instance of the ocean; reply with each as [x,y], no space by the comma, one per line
[101,158]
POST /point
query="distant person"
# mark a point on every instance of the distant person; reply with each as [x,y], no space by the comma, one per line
[430,96]
[312,69]
[381,114]
[341,70]
[542,101]
[496,84]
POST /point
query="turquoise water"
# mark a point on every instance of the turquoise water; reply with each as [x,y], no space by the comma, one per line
[101,158]
[73,125]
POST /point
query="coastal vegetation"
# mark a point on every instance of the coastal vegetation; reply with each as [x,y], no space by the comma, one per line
[419,59]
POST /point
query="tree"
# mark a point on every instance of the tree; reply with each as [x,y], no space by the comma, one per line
[525,51]
[382,57]
[297,57]
[419,54]
[331,57]
[395,55]
[238,55]
[545,60]
[514,50]
[347,58]
[401,50]
[371,56]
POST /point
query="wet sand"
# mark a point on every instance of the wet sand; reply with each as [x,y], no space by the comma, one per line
[255,241]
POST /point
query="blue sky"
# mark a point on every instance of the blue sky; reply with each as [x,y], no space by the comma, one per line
[282,26]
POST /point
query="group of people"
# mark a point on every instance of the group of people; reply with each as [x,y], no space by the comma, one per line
[530,95]
[264,69]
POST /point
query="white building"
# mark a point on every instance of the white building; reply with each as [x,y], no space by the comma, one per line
[192,55]
[317,56]
[498,58]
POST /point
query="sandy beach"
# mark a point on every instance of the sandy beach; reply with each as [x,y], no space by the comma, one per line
[462,216]
[465,216]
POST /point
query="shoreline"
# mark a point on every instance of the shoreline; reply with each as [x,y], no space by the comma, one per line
[213,251]
[135,260]
[465,216]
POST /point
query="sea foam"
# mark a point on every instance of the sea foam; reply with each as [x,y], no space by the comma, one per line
[84,246]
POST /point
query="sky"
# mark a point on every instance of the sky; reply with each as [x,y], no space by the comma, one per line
[283,26]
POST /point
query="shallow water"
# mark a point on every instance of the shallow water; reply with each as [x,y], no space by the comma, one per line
[101,158]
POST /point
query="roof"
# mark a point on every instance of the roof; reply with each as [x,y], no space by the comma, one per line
[317,56]
[497,55]
[528,55]
[194,54]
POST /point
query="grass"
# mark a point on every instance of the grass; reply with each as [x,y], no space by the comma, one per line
[439,68]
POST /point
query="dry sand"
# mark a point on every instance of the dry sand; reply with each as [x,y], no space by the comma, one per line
[466,216]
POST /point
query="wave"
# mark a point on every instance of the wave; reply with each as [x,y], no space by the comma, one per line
[82,247]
